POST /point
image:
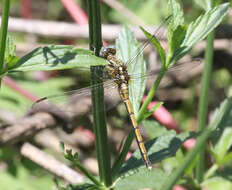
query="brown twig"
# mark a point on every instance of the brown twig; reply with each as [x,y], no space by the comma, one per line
[64,29]
[26,128]
[53,141]
[49,163]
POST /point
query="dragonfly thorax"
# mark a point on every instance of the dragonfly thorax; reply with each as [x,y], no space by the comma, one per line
[117,70]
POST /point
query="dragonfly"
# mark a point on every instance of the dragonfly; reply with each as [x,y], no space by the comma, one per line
[117,71]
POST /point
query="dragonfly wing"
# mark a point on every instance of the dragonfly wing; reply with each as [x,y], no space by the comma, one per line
[82,103]
[180,73]
[75,102]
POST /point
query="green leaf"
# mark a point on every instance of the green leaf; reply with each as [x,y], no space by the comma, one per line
[222,116]
[177,17]
[152,110]
[158,149]
[216,183]
[10,47]
[140,179]
[223,145]
[170,164]
[10,54]
[176,40]
[223,110]
[156,44]
[199,29]
[129,51]
[154,129]
[57,57]
[134,171]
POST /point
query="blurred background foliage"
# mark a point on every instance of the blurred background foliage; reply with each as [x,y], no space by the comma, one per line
[17,172]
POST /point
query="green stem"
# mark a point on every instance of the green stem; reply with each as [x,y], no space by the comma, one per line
[203,105]
[3,32]
[173,178]
[86,173]
[120,160]
[100,130]
[150,95]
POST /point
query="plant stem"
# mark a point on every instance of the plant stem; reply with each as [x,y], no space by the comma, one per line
[120,160]
[86,173]
[100,129]
[173,178]
[150,95]
[203,105]
[3,32]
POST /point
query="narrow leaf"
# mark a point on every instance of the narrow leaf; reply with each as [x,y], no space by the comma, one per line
[152,110]
[177,19]
[10,54]
[176,40]
[10,47]
[156,44]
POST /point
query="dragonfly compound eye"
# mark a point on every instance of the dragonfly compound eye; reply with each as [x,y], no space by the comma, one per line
[111,51]
[106,51]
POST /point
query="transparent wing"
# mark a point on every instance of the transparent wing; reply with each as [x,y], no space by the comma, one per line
[72,102]
[75,104]
[146,43]
[174,74]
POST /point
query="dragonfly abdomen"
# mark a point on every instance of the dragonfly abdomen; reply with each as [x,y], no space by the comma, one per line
[137,132]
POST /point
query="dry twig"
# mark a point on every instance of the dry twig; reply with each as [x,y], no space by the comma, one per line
[25,128]
[67,30]
[49,163]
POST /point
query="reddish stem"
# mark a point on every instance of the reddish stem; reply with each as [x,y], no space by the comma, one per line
[26,8]
[16,87]
[77,14]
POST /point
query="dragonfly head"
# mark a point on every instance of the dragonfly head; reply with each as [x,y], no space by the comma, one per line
[107,50]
